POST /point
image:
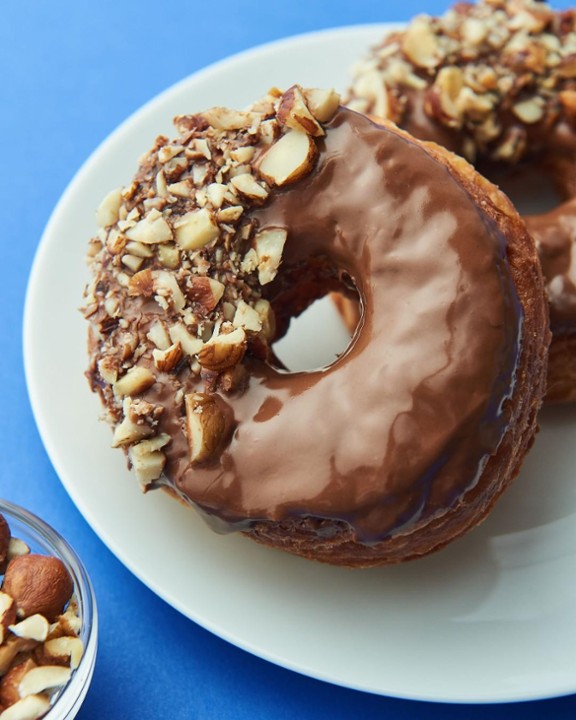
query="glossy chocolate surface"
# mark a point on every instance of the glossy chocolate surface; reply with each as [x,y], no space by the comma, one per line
[555,235]
[401,425]
[552,156]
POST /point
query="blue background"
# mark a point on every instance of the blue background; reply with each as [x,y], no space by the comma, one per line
[70,73]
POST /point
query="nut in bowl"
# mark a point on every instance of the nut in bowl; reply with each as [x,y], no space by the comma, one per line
[48,621]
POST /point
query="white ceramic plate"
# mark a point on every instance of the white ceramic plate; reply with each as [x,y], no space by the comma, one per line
[491,618]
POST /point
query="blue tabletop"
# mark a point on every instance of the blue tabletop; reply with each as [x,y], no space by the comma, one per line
[70,73]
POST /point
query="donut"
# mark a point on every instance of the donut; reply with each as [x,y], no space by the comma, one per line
[495,82]
[227,232]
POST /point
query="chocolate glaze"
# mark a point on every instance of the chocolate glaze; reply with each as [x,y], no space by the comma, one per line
[553,155]
[555,235]
[401,425]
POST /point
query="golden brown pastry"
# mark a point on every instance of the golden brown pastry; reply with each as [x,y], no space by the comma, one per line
[240,223]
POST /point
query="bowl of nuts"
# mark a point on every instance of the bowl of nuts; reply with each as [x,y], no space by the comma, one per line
[48,621]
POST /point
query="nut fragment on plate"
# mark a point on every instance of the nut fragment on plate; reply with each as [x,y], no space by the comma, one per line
[182,270]
[40,645]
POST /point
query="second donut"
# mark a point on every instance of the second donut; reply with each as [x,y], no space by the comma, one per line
[495,82]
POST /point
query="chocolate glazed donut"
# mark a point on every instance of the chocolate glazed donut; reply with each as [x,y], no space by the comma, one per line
[408,438]
[420,406]
[495,81]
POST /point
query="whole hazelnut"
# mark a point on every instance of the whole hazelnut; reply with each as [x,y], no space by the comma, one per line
[38,584]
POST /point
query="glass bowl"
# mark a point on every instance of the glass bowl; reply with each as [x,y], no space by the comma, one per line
[43,539]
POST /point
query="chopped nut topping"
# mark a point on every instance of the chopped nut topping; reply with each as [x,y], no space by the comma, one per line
[152,229]
[420,44]
[246,184]
[529,111]
[189,344]
[294,113]
[136,380]
[449,83]
[158,334]
[269,244]
[226,119]
[147,458]
[180,268]
[247,317]
[107,213]
[223,351]
[132,428]
[195,229]
[168,255]
[206,292]
[289,158]
[322,104]
[205,426]
[487,69]
[167,289]
[167,360]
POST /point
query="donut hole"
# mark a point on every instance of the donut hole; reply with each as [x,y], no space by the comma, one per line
[532,188]
[321,333]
